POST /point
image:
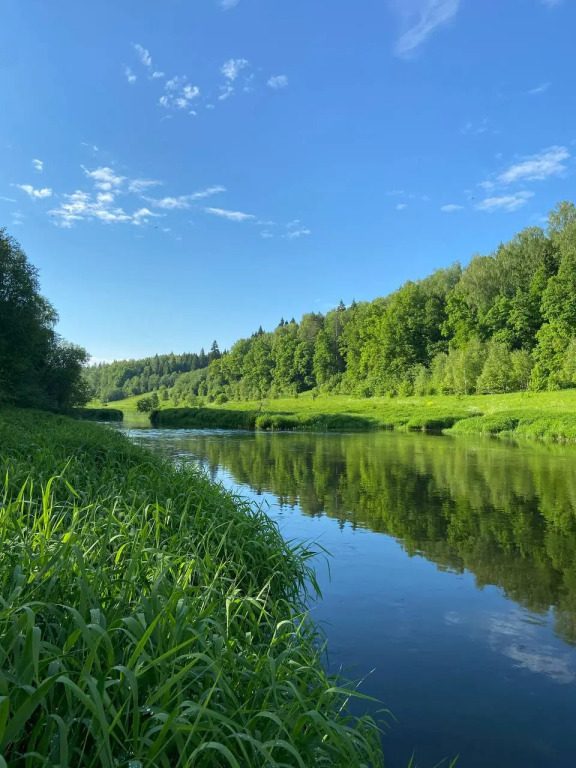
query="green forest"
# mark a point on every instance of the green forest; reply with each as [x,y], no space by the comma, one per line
[38,369]
[506,322]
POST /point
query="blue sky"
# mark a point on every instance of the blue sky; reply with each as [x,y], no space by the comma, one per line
[187,170]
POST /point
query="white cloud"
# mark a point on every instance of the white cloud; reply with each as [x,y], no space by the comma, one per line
[141,185]
[266,235]
[130,76]
[38,165]
[232,68]
[143,214]
[551,3]
[471,128]
[35,193]
[175,83]
[157,75]
[144,55]
[451,208]
[429,14]
[208,192]
[230,215]
[183,201]
[507,203]
[7,199]
[81,206]
[401,206]
[179,93]
[296,233]
[105,178]
[227,4]
[278,81]
[537,167]
[540,89]
[225,92]
[171,203]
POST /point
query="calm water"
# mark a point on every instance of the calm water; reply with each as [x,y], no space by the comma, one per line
[452,584]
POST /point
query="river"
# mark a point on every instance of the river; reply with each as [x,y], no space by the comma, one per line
[451,585]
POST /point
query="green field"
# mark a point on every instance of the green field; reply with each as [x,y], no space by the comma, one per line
[549,415]
[150,618]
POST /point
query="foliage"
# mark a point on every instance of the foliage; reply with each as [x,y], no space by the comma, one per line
[150,618]
[515,307]
[37,368]
[99,414]
[148,404]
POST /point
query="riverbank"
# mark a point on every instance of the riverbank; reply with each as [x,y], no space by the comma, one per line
[544,415]
[150,617]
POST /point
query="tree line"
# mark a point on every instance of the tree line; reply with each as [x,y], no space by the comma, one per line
[505,322]
[38,368]
[125,378]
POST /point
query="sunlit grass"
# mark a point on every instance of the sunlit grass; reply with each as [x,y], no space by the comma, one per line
[549,415]
[148,618]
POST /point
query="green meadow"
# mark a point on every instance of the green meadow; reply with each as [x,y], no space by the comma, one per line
[545,415]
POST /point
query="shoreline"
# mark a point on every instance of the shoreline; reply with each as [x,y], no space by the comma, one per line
[542,416]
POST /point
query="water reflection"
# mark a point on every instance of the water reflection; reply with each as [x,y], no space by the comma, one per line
[503,512]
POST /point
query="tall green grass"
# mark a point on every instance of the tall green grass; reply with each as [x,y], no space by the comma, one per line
[148,618]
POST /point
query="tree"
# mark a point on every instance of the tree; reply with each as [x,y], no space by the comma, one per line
[496,374]
[147,404]
[37,368]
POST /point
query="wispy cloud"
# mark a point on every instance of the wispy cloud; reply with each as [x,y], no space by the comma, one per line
[137,186]
[426,17]
[232,68]
[230,215]
[278,81]
[156,75]
[401,206]
[539,89]
[104,178]
[551,3]
[130,76]
[182,202]
[143,54]
[506,203]
[38,165]
[451,208]
[227,4]
[81,206]
[179,94]
[475,128]
[296,233]
[35,193]
[549,162]
[7,199]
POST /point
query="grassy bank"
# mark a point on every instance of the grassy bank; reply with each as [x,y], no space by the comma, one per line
[550,415]
[99,414]
[150,619]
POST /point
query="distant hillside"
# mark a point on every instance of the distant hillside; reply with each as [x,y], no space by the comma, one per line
[124,378]
[506,322]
